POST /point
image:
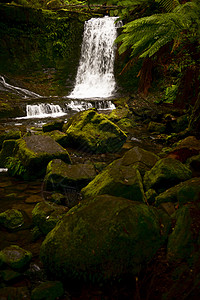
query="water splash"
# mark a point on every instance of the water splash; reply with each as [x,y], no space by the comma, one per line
[11,88]
[95,75]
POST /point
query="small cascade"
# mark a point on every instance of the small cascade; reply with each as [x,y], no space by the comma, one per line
[78,105]
[44,110]
[95,75]
[17,90]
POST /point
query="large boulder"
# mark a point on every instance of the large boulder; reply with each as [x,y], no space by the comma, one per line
[166,173]
[9,135]
[36,151]
[117,180]
[103,239]
[7,151]
[184,192]
[61,176]
[93,132]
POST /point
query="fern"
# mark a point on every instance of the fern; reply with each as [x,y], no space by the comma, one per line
[145,36]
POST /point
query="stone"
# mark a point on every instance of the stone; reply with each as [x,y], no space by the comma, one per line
[9,275]
[36,151]
[55,125]
[166,173]
[194,164]
[156,127]
[150,196]
[14,293]
[116,180]
[11,219]
[9,135]
[92,132]
[58,136]
[104,239]
[33,199]
[60,176]
[180,244]
[184,192]
[15,257]
[119,113]
[141,159]
[46,215]
[8,150]
[50,290]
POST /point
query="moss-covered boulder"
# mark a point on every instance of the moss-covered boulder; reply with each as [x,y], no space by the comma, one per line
[103,239]
[36,151]
[166,173]
[139,158]
[93,132]
[156,127]
[9,135]
[11,219]
[180,242]
[184,192]
[50,290]
[15,257]
[46,215]
[55,125]
[119,113]
[194,164]
[7,151]
[58,136]
[60,176]
[116,180]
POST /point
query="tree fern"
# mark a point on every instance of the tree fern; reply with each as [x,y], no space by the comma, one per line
[145,36]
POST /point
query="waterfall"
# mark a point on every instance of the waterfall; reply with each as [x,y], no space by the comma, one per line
[11,88]
[95,75]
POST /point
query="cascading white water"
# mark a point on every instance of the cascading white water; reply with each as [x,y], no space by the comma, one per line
[95,75]
[23,92]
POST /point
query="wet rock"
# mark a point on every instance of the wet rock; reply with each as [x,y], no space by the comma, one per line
[185,149]
[180,242]
[139,158]
[50,290]
[9,275]
[14,293]
[119,113]
[184,192]
[58,136]
[104,238]
[11,219]
[15,257]
[36,151]
[168,207]
[33,199]
[166,173]
[61,176]
[151,196]
[194,164]
[93,132]
[56,125]
[156,127]
[9,135]
[117,180]
[8,150]
[46,215]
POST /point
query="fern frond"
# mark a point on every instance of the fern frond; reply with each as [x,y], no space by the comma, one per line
[168,5]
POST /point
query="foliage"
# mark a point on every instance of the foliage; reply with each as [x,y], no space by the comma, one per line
[15,167]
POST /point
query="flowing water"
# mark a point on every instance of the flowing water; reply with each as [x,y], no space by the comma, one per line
[95,75]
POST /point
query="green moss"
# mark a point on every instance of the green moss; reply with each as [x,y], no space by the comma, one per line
[15,257]
[93,132]
[10,135]
[102,239]
[11,219]
[8,150]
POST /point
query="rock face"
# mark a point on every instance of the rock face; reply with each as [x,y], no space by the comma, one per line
[36,151]
[93,132]
[60,176]
[15,257]
[117,180]
[103,239]
[166,173]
